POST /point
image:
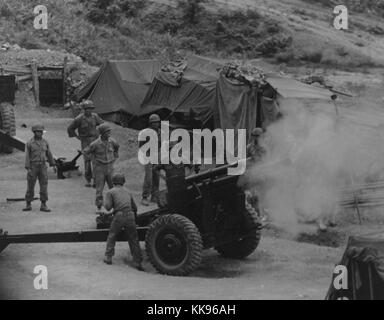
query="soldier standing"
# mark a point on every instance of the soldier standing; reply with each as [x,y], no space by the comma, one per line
[37,153]
[151,176]
[124,210]
[104,152]
[86,126]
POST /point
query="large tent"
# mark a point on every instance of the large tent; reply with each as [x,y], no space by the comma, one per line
[187,101]
[243,106]
[118,89]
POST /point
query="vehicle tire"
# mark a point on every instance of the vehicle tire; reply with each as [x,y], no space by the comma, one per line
[7,124]
[174,245]
[243,247]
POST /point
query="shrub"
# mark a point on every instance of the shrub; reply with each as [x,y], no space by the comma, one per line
[312,56]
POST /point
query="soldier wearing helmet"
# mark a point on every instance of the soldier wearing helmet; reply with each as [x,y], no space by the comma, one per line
[37,154]
[124,209]
[103,151]
[86,126]
[174,178]
[151,176]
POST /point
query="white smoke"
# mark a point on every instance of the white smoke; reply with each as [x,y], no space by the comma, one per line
[311,153]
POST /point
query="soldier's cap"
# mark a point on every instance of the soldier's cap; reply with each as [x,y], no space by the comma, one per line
[38,127]
[103,128]
[257,132]
[118,178]
[88,104]
[154,118]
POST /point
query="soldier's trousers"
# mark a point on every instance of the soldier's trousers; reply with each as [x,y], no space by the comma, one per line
[124,222]
[88,172]
[151,182]
[38,172]
[103,174]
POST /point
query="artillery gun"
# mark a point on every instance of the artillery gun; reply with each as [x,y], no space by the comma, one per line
[212,214]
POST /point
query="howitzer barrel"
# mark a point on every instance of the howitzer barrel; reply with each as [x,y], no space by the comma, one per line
[211,173]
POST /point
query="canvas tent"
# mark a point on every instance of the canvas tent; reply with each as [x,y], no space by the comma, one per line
[364,261]
[243,106]
[187,102]
[118,89]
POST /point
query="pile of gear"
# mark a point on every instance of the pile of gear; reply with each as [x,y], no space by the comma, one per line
[244,73]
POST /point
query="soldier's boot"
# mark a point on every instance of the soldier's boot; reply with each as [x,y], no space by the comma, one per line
[145,202]
[28,207]
[88,184]
[139,267]
[107,260]
[44,207]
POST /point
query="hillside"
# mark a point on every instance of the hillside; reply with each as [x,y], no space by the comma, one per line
[289,31]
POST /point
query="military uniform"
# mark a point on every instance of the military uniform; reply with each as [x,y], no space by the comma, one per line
[151,178]
[119,199]
[103,154]
[86,127]
[37,153]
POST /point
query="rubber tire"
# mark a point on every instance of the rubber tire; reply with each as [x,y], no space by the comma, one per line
[192,239]
[7,124]
[243,247]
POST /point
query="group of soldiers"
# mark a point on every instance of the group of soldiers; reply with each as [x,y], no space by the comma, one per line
[100,152]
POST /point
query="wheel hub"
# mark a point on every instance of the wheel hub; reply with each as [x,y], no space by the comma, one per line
[171,248]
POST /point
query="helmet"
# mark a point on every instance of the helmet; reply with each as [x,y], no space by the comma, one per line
[154,118]
[88,104]
[37,127]
[103,128]
[257,132]
[118,178]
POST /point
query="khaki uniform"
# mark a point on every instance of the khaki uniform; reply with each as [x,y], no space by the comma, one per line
[37,153]
[119,199]
[87,132]
[103,155]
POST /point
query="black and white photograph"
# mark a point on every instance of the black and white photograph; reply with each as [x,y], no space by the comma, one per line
[191,154]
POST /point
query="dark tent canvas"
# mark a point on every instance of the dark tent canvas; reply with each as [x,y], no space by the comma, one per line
[241,106]
[364,261]
[188,102]
[118,89]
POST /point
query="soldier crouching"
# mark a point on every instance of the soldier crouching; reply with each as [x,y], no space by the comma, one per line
[124,209]
[37,153]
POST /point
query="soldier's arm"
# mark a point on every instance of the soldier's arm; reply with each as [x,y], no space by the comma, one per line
[116,147]
[50,158]
[108,201]
[99,121]
[88,150]
[27,156]
[73,126]
[133,205]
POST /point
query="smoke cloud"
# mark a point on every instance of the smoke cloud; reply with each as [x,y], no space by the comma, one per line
[311,154]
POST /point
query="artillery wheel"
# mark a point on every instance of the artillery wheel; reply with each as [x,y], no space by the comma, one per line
[243,247]
[174,245]
[7,124]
